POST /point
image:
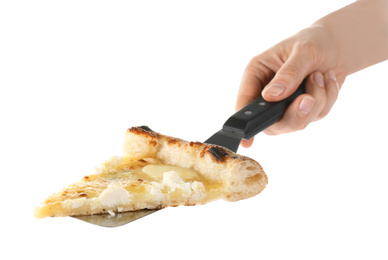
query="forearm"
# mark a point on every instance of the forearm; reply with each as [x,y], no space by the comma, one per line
[360,31]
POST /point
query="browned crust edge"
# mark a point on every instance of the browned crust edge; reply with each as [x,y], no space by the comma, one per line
[218,153]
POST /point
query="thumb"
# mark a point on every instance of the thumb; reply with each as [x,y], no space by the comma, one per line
[288,78]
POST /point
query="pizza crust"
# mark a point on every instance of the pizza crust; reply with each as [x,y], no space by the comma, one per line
[242,177]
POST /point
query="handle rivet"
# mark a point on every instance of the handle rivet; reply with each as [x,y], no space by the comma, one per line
[262,103]
[248,112]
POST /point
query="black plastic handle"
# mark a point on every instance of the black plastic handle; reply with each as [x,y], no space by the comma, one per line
[258,115]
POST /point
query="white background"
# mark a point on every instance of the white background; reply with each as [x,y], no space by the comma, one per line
[74,75]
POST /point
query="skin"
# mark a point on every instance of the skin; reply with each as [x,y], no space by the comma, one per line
[337,45]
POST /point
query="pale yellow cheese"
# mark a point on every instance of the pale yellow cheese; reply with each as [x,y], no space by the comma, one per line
[124,185]
[156,172]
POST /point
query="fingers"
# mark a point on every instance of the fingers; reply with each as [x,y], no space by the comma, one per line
[255,77]
[247,143]
[250,89]
[332,91]
[321,93]
[281,80]
[289,76]
[295,118]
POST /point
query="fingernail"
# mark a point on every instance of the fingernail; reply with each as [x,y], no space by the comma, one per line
[334,78]
[275,90]
[318,78]
[306,105]
[332,75]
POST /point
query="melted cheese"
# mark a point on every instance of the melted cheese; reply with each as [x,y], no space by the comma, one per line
[156,172]
[122,182]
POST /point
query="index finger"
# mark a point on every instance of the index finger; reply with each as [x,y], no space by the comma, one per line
[255,78]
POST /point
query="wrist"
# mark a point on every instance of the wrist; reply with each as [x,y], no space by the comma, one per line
[359,32]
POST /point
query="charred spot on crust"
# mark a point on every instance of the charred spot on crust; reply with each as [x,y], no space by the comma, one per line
[144,127]
[142,160]
[142,130]
[192,144]
[218,153]
[202,153]
[173,141]
[82,194]
[153,143]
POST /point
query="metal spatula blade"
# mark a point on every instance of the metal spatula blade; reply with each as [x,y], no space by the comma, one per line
[119,219]
[244,124]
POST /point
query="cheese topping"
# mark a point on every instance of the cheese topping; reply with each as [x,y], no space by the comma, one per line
[120,184]
[75,203]
[114,195]
[157,171]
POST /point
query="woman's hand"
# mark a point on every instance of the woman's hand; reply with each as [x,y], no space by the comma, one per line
[279,71]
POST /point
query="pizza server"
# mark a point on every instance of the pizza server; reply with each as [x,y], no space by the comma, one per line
[244,124]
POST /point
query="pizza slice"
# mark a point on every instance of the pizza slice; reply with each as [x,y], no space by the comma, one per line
[158,171]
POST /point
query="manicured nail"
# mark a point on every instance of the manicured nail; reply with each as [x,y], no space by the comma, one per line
[318,78]
[332,75]
[275,90]
[306,105]
[334,78]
